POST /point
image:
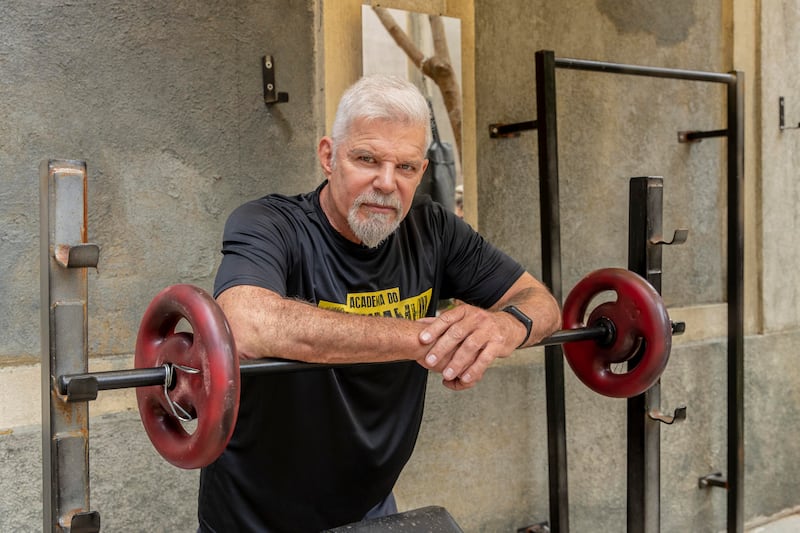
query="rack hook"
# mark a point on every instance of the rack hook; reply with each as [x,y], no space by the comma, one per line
[715,479]
[678,237]
[271,95]
[677,415]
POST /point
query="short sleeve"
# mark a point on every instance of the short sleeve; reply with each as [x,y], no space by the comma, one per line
[476,271]
[254,249]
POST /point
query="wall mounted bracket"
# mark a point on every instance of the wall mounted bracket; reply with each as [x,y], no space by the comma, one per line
[715,479]
[678,237]
[271,94]
[697,136]
[676,416]
[511,130]
[782,122]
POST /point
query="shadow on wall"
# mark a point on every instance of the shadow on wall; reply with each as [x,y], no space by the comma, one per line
[669,25]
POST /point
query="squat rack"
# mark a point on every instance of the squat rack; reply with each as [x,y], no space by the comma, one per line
[66,255]
[643,430]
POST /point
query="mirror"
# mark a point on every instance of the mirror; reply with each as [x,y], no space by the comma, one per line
[426,50]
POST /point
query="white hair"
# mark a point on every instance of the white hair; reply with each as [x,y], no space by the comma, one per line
[381,97]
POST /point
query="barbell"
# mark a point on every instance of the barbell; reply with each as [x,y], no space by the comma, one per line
[182,376]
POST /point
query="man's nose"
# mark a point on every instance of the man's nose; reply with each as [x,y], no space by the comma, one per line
[385,180]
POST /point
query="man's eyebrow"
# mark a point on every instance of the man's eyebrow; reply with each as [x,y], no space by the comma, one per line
[357,152]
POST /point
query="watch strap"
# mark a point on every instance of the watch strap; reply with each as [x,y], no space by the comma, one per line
[523,318]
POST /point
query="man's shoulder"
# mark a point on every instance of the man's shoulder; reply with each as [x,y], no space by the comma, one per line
[275,204]
[424,208]
[432,216]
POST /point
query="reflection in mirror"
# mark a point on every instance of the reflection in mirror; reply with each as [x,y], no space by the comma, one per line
[425,49]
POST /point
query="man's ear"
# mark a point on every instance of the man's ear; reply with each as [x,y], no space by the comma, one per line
[325,155]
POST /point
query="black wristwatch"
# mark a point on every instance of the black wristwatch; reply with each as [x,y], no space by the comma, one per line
[522,317]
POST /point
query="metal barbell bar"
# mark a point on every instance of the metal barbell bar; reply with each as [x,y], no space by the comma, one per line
[635,327]
[84,387]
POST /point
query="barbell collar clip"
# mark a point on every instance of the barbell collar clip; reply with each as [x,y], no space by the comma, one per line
[678,328]
[169,383]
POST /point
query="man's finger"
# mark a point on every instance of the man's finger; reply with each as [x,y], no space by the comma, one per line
[439,325]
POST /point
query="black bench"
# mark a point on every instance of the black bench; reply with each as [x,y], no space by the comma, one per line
[431,519]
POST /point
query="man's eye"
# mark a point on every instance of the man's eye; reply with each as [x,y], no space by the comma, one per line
[366,158]
[407,167]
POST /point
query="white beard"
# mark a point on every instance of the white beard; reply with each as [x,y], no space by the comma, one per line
[373,230]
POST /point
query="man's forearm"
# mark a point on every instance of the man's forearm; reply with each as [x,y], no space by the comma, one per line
[267,325]
[533,299]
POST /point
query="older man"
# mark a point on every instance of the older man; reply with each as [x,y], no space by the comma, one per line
[352,273]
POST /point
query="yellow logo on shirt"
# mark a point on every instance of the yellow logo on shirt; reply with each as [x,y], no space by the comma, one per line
[383,303]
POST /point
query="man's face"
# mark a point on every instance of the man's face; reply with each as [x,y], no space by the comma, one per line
[372,180]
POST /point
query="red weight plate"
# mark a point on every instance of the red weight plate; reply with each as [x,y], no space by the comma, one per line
[207,387]
[625,342]
[639,316]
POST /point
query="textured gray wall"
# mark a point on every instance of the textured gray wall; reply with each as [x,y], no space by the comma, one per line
[163,101]
[780,163]
[610,128]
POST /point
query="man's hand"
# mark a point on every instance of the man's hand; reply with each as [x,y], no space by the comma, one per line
[464,341]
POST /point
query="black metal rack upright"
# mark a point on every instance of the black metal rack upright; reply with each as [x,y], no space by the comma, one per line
[643,475]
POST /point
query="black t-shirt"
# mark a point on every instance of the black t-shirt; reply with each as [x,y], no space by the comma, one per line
[319,448]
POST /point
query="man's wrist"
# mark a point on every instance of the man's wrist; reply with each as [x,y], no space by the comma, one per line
[524,319]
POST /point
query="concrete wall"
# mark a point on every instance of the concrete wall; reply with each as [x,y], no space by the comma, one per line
[612,128]
[163,101]
[779,164]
